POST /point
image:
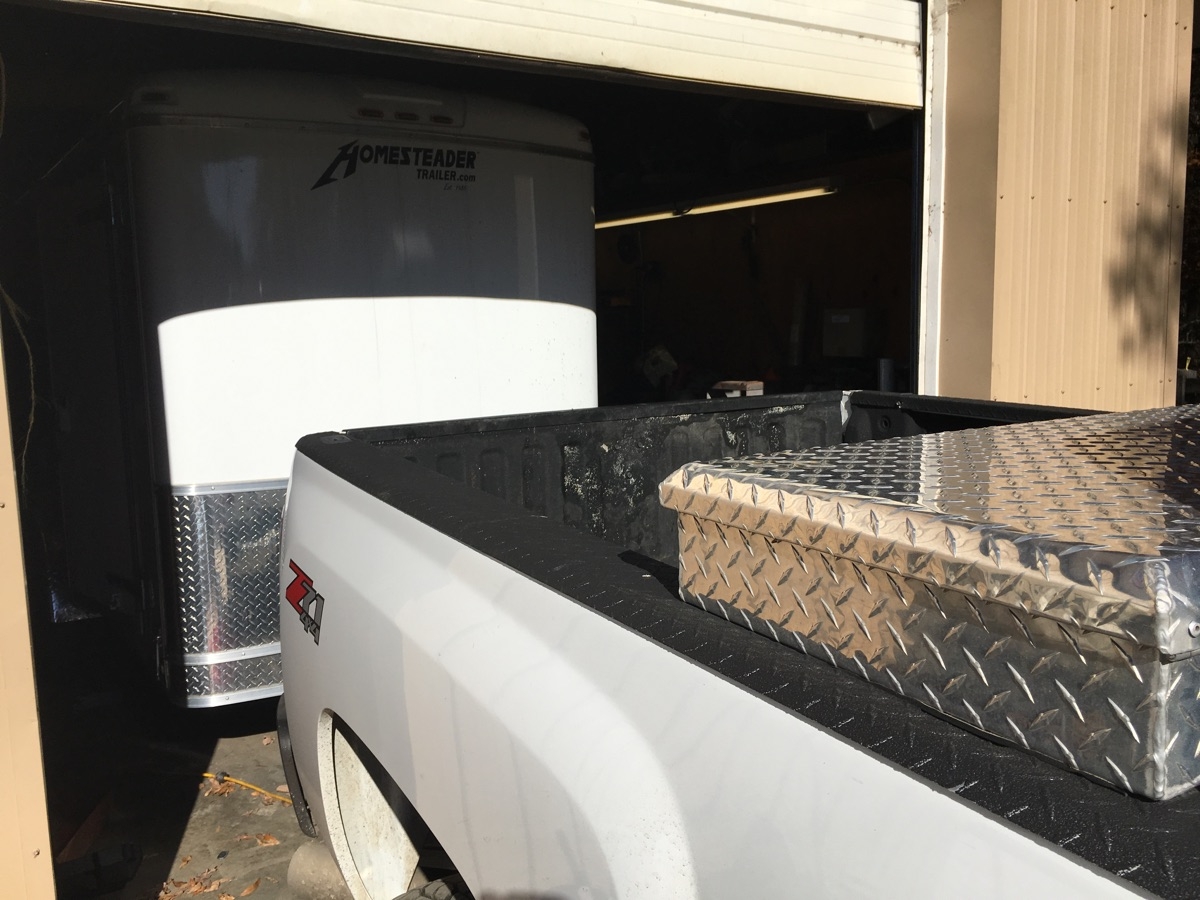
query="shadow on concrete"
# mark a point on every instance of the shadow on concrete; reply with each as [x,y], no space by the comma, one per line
[122,764]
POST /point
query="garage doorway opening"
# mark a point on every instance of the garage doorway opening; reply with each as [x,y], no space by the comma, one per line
[806,293]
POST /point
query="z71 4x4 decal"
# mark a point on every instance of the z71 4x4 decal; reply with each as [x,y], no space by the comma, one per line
[306,601]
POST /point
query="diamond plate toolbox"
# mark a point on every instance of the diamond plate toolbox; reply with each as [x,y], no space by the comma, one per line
[1036,582]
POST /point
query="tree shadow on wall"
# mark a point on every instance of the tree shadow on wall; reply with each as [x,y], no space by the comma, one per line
[1144,267]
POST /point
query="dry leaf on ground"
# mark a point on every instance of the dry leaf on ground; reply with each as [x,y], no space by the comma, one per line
[268,740]
[197,884]
[282,789]
[183,863]
[224,896]
[264,839]
[218,788]
[251,889]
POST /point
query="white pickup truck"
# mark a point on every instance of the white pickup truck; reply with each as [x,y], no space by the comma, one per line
[488,673]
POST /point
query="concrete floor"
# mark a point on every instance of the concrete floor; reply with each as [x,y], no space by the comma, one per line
[198,837]
[232,837]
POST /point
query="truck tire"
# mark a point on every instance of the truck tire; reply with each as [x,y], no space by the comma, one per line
[452,887]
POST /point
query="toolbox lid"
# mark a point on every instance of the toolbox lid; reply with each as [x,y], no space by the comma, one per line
[1093,521]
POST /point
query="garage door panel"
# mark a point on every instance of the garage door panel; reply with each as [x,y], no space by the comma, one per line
[866,50]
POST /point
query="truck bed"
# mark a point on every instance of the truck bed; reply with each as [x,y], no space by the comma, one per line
[568,500]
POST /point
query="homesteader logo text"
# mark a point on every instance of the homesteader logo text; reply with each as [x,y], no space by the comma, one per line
[434,163]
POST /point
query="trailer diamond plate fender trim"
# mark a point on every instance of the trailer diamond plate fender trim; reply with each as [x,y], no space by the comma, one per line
[223,626]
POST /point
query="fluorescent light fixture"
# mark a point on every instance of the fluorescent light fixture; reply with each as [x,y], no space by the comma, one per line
[638,220]
[721,204]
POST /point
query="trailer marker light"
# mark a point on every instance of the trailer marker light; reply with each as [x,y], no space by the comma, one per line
[370,112]
[441,120]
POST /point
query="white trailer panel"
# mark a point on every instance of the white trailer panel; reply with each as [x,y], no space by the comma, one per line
[291,368]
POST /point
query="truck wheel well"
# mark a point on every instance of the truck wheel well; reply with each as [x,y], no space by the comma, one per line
[295,788]
[381,843]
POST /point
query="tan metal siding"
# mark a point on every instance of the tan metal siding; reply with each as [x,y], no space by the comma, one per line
[1093,135]
[964,221]
[856,49]
[25,862]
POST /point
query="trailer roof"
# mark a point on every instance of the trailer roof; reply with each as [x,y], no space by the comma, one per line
[305,98]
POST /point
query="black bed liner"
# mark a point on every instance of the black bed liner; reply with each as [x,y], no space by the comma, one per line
[1153,846]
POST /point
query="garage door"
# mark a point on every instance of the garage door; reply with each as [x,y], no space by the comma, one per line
[865,50]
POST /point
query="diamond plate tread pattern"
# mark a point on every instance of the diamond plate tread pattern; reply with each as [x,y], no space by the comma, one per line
[1050,645]
[1092,521]
[226,568]
[217,679]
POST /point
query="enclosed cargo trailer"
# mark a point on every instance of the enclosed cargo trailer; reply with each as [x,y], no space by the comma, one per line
[241,258]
